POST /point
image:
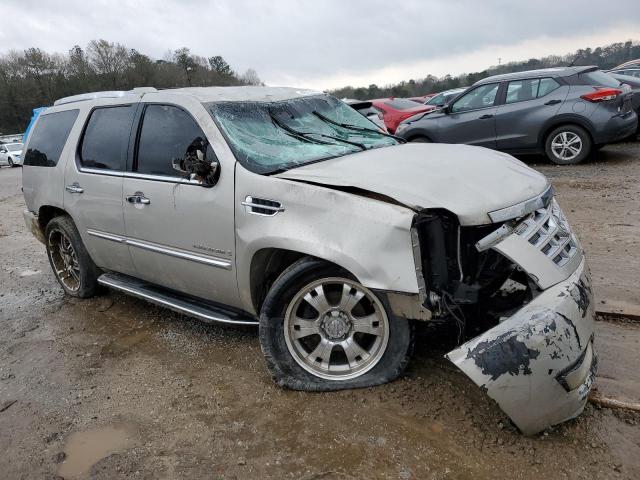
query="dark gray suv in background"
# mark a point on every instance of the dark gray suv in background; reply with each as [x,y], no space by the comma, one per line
[562,112]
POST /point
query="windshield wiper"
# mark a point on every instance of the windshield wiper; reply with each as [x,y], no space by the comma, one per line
[356,127]
[305,136]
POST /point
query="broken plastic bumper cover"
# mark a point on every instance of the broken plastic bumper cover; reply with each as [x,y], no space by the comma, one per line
[539,364]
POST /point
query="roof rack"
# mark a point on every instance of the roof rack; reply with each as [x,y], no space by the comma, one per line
[106,94]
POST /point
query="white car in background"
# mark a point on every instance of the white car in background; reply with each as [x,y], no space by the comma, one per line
[11,154]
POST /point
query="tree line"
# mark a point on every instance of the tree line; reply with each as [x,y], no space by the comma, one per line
[604,57]
[34,78]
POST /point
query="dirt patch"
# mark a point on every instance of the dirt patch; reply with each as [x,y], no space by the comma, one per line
[202,404]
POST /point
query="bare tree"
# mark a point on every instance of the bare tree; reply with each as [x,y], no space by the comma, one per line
[250,77]
[109,60]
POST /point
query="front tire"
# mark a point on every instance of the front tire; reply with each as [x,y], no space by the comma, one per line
[69,259]
[420,140]
[568,145]
[10,162]
[321,330]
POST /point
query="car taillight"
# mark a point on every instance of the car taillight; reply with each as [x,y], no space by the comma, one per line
[601,94]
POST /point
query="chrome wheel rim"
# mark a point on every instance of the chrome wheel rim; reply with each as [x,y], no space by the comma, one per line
[336,329]
[64,260]
[566,145]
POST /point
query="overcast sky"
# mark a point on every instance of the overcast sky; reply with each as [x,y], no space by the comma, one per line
[327,43]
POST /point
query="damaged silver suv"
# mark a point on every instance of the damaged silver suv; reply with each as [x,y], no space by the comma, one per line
[287,209]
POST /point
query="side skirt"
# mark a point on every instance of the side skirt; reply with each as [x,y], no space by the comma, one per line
[201,309]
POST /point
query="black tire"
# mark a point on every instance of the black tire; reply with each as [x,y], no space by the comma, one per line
[10,162]
[88,272]
[586,145]
[420,140]
[286,371]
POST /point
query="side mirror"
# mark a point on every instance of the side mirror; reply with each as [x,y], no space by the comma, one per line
[177,164]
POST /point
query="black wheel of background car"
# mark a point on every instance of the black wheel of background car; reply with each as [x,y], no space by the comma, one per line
[420,140]
[568,145]
[321,330]
[70,261]
[10,161]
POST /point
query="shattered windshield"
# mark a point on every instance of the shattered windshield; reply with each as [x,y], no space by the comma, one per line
[269,137]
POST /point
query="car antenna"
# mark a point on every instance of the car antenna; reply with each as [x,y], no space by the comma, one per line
[575,59]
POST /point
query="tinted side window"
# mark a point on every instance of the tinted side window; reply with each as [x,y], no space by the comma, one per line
[106,138]
[167,132]
[547,85]
[480,97]
[48,138]
[522,90]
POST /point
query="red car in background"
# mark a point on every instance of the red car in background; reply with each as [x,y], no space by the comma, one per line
[422,98]
[395,110]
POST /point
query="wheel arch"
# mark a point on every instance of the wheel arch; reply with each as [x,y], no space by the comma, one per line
[267,264]
[46,213]
[564,121]
[413,136]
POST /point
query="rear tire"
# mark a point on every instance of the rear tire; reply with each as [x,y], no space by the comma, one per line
[69,259]
[288,340]
[568,145]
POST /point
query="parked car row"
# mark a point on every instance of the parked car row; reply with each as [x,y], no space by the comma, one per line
[564,113]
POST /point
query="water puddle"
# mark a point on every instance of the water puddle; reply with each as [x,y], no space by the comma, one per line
[85,449]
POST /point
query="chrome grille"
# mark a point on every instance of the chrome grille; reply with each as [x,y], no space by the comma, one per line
[547,230]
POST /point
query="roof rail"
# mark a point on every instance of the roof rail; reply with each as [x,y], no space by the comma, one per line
[106,94]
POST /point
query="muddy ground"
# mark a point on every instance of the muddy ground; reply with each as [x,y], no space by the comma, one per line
[112,387]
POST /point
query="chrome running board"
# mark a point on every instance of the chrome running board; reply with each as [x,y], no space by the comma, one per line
[193,307]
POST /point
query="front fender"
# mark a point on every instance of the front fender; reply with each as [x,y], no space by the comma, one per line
[370,238]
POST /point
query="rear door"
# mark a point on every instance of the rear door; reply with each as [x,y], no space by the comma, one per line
[471,118]
[180,232]
[93,185]
[528,104]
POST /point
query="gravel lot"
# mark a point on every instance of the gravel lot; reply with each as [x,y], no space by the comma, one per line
[115,388]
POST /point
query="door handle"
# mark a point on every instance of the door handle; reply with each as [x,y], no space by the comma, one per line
[553,102]
[484,117]
[138,198]
[74,188]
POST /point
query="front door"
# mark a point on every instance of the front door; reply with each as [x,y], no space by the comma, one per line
[93,185]
[180,232]
[471,118]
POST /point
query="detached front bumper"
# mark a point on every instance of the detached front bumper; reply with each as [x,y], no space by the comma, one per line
[539,364]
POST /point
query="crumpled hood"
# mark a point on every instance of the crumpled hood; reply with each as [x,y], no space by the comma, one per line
[468,181]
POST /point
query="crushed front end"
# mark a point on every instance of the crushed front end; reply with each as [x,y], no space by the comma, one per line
[519,288]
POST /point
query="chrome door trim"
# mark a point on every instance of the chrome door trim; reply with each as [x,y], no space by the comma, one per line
[170,251]
[106,236]
[139,176]
[101,171]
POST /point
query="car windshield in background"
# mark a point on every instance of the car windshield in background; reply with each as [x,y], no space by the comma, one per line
[401,104]
[437,100]
[272,137]
[14,147]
